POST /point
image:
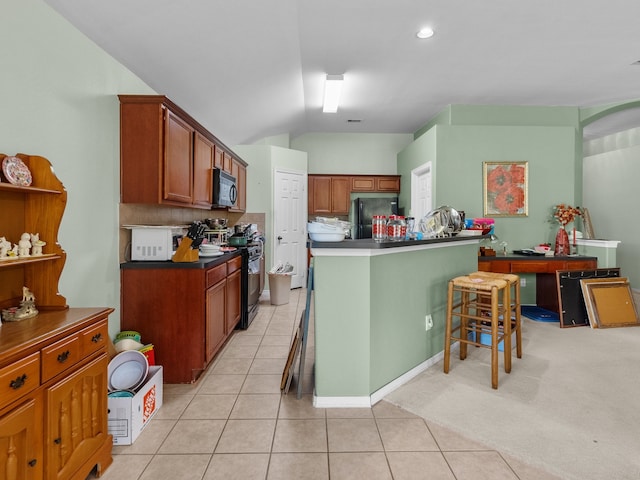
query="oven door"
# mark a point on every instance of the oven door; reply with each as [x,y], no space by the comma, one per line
[253,289]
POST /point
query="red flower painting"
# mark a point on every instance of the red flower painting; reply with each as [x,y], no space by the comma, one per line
[505,188]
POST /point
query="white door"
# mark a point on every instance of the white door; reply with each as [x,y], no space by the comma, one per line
[289,220]
[421,191]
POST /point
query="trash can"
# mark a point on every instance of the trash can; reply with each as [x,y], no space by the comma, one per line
[279,288]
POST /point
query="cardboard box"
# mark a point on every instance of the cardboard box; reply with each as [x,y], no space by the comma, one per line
[128,416]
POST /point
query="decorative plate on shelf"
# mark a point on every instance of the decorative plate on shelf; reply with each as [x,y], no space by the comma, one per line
[16,172]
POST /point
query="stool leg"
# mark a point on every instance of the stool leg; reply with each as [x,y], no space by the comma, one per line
[518,324]
[464,322]
[506,327]
[494,337]
[448,327]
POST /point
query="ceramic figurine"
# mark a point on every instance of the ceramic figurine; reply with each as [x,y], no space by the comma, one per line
[5,247]
[24,245]
[27,308]
[36,244]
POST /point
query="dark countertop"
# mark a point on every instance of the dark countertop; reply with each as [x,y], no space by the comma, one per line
[368,243]
[203,262]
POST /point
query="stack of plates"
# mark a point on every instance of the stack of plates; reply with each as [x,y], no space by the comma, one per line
[210,250]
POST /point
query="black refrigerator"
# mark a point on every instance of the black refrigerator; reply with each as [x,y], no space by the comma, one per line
[366,208]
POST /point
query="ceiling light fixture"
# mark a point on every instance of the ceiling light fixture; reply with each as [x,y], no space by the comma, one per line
[332,90]
[425,32]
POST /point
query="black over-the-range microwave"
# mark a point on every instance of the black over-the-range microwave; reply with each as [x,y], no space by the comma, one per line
[225,192]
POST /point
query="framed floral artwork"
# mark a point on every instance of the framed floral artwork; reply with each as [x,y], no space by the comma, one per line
[505,189]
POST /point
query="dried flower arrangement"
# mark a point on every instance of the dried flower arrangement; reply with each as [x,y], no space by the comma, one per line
[565,214]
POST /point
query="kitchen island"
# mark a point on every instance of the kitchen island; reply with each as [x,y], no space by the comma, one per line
[371,303]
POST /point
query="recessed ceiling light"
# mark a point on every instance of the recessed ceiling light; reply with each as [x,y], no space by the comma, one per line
[426,32]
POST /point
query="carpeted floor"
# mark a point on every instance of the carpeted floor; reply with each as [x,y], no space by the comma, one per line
[569,406]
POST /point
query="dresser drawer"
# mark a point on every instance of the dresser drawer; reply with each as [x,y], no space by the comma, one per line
[234,264]
[94,338]
[59,356]
[19,378]
[215,274]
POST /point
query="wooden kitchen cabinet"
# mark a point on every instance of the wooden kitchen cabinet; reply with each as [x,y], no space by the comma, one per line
[178,160]
[329,194]
[203,161]
[239,171]
[186,311]
[166,156]
[375,183]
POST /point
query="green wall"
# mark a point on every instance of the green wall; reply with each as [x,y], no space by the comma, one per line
[58,95]
[352,153]
[263,160]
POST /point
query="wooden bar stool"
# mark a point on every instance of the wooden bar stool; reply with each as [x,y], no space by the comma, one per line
[514,291]
[478,302]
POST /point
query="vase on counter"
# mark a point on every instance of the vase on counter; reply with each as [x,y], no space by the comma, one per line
[562,242]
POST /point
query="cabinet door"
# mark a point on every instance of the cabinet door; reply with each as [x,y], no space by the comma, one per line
[178,154]
[239,171]
[340,195]
[76,425]
[387,184]
[233,300]
[228,162]
[321,194]
[21,442]
[203,160]
[360,183]
[215,318]
[218,158]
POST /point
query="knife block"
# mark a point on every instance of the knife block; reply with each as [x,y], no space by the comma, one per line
[185,253]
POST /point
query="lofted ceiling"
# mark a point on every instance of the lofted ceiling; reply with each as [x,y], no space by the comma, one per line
[248,69]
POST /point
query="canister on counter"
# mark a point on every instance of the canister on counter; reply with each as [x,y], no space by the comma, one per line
[379,228]
[396,228]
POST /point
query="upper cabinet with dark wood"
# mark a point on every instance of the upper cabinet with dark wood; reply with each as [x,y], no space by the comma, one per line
[167,157]
[375,183]
[331,194]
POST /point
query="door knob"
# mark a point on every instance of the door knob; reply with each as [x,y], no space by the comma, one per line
[279,238]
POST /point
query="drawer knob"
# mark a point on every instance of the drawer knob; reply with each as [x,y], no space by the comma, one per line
[57,441]
[18,382]
[64,356]
[32,463]
[96,338]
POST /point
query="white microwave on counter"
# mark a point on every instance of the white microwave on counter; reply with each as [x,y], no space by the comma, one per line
[225,191]
[155,243]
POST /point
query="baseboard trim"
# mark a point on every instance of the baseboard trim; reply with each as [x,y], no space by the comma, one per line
[375,397]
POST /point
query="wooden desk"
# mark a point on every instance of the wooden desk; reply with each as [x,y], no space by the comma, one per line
[545,269]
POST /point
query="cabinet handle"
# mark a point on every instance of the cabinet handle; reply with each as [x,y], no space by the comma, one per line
[32,463]
[57,441]
[64,356]
[96,338]
[18,382]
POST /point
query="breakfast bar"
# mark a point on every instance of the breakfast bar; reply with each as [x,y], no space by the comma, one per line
[379,311]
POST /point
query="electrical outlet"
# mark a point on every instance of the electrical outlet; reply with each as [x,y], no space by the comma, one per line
[428,322]
[523,282]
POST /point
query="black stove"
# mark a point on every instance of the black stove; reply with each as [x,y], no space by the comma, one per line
[252,282]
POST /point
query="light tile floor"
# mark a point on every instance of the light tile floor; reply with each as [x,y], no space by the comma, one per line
[234,423]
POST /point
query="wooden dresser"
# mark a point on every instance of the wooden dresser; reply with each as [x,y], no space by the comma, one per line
[53,367]
[545,269]
[53,395]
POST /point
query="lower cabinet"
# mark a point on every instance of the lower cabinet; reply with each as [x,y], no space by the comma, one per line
[186,311]
[21,442]
[53,396]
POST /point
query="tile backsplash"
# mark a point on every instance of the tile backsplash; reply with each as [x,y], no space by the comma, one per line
[139,214]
